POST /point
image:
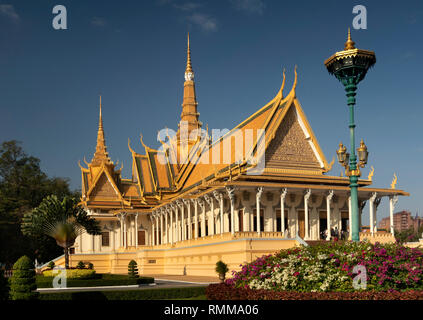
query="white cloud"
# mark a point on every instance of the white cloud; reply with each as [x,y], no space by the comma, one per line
[249,6]
[98,22]
[206,22]
[9,11]
[187,6]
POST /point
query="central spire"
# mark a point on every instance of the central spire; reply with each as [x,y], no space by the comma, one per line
[189,74]
[189,116]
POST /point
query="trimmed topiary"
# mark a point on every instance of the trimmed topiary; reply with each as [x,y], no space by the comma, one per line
[4,286]
[133,269]
[221,270]
[90,266]
[22,283]
[80,265]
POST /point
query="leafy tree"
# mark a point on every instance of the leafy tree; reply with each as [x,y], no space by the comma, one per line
[63,220]
[23,283]
[4,286]
[409,235]
[133,269]
[23,185]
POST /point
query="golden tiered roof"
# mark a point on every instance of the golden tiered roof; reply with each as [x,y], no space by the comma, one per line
[292,153]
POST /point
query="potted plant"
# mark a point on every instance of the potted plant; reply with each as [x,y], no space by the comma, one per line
[221,270]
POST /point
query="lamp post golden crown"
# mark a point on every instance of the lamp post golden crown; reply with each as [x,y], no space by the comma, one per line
[350,66]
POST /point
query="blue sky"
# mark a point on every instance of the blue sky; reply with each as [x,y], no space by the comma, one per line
[133,53]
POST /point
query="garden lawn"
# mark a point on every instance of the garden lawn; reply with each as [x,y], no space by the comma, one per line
[101,279]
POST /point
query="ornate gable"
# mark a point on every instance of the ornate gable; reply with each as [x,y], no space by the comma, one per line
[104,190]
[290,148]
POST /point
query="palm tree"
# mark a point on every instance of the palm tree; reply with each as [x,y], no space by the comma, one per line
[62,220]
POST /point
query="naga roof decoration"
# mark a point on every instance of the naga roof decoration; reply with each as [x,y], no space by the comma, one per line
[275,145]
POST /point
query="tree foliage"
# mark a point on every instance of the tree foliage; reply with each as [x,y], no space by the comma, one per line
[4,286]
[409,235]
[23,185]
[63,220]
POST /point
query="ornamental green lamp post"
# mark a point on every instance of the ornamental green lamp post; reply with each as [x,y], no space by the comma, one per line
[350,67]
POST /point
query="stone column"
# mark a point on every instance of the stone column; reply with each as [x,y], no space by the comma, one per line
[169,211]
[125,236]
[328,217]
[182,221]
[219,198]
[156,216]
[188,205]
[203,217]
[371,211]
[161,227]
[120,230]
[195,202]
[153,242]
[306,217]
[136,230]
[166,237]
[258,196]
[176,232]
[231,195]
[284,191]
[112,233]
[392,202]
[376,204]
[210,202]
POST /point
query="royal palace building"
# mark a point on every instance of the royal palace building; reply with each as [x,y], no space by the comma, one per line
[263,186]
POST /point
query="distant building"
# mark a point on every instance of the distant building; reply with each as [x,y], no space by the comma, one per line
[402,221]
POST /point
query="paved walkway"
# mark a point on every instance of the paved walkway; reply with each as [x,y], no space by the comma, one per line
[181,278]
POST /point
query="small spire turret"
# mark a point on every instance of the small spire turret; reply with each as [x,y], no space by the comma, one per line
[349,44]
[101,155]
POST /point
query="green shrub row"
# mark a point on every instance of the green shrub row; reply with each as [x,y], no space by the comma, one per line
[72,273]
[144,294]
[47,282]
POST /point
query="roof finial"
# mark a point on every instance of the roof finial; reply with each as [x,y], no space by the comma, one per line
[100,122]
[189,74]
[349,44]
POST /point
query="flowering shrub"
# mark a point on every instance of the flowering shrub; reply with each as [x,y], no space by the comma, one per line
[329,267]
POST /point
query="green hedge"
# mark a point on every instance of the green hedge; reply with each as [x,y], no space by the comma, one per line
[100,280]
[72,273]
[144,294]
